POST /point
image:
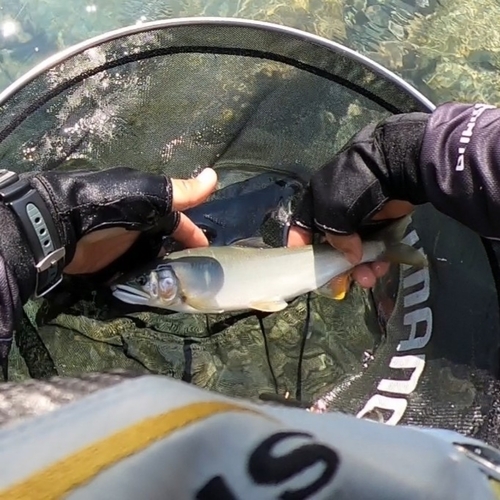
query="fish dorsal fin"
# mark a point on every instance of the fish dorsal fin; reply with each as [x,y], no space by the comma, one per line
[253,242]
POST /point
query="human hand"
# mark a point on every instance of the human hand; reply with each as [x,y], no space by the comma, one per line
[365,275]
[80,222]
[97,249]
[376,176]
[89,219]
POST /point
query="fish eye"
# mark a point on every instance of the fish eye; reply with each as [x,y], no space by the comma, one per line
[167,284]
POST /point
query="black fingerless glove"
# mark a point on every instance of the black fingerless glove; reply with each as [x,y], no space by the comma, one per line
[69,205]
[450,158]
[81,202]
[381,162]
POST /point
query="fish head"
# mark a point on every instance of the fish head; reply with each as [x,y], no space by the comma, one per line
[158,288]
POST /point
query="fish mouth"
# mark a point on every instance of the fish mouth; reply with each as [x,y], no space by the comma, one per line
[130,295]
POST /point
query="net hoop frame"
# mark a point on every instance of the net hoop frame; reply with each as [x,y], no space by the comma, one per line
[162,24]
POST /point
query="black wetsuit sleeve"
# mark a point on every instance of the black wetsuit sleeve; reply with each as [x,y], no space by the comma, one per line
[16,278]
[460,165]
[450,158]
[10,308]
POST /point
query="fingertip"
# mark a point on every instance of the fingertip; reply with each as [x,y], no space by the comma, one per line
[189,234]
[298,236]
[380,268]
[187,193]
[350,245]
[207,176]
[198,240]
[364,276]
[353,256]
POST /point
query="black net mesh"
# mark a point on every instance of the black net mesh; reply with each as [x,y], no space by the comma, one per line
[193,95]
[266,107]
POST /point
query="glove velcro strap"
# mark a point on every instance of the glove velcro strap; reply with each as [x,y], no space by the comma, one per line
[39,229]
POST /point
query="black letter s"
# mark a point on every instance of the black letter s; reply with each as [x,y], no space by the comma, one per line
[266,469]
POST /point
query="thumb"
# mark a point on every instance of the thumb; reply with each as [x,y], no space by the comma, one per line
[187,193]
[349,245]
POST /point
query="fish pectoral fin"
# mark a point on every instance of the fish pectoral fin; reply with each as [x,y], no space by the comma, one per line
[203,305]
[253,242]
[337,288]
[269,305]
[400,253]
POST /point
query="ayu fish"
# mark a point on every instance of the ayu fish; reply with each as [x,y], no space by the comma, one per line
[239,277]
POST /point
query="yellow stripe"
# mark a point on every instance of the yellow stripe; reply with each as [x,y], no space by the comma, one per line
[495,486]
[73,471]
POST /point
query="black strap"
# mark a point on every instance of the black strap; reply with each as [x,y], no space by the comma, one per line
[39,228]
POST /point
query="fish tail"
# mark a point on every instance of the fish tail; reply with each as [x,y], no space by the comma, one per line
[396,251]
[394,231]
[400,253]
